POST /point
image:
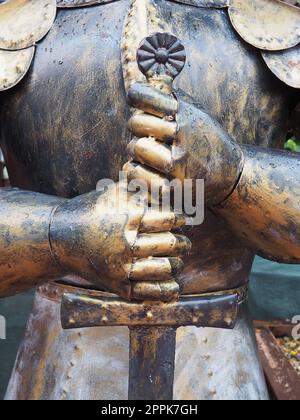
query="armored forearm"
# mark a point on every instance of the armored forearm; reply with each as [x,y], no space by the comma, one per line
[264,209]
[108,238]
[25,254]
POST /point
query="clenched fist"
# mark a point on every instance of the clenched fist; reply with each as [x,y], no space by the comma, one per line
[113,240]
[177,139]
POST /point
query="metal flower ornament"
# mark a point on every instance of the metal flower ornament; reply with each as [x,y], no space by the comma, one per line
[161,54]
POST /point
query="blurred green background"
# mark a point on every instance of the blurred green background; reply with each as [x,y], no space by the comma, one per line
[274,294]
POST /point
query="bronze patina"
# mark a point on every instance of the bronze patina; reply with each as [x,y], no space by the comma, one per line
[64,126]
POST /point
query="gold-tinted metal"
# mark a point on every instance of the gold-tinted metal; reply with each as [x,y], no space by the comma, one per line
[25,255]
[162,291]
[14,66]
[198,142]
[143,18]
[25,22]
[266,24]
[96,237]
[148,125]
[160,244]
[82,309]
[145,174]
[264,210]
[162,222]
[285,65]
[153,153]
[160,269]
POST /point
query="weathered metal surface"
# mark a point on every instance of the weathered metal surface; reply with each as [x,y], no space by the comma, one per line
[279,329]
[205,3]
[261,198]
[13,66]
[93,363]
[251,105]
[25,22]
[282,378]
[25,257]
[161,54]
[285,65]
[82,310]
[266,24]
[111,252]
[227,79]
[81,3]
[151,363]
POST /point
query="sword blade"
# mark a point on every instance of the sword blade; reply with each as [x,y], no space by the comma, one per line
[152,363]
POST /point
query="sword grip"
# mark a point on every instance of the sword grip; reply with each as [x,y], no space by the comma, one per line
[161,57]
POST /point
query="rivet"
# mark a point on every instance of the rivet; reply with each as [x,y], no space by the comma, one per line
[149,315]
[205,340]
[210,373]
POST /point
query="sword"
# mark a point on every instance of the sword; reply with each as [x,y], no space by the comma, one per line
[161,57]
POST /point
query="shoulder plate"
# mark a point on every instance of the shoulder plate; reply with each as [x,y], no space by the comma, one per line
[205,3]
[25,22]
[266,24]
[273,27]
[14,66]
[269,25]
[285,65]
[22,24]
[81,3]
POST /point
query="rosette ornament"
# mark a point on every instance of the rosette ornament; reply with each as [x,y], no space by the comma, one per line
[161,54]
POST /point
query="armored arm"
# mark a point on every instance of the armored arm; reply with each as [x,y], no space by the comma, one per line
[256,190]
[106,237]
[264,209]
[25,254]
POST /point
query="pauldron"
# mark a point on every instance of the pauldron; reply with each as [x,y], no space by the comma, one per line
[271,26]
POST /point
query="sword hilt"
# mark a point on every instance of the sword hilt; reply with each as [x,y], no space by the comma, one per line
[161,58]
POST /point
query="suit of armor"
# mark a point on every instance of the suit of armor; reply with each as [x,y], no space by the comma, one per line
[68,72]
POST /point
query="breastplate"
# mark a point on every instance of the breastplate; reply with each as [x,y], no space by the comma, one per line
[64,127]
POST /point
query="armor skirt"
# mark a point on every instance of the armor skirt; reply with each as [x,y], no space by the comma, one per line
[93,363]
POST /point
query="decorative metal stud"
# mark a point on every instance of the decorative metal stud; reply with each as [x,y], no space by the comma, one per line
[161,54]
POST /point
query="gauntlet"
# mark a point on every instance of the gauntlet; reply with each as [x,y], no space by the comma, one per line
[200,148]
[113,240]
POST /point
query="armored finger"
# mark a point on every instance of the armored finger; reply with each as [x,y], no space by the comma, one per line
[144,125]
[157,183]
[159,291]
[153,153]
[152,101]
[156,269]
[161,244]
[161,221]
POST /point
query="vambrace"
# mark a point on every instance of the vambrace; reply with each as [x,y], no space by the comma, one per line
[25,254]
[264,209]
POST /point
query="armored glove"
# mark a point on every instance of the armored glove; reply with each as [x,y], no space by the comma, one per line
[189,146]
[113,240]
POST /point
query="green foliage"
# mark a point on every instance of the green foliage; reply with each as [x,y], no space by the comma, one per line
[293,143]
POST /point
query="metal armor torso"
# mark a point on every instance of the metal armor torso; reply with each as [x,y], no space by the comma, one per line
[64,126]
